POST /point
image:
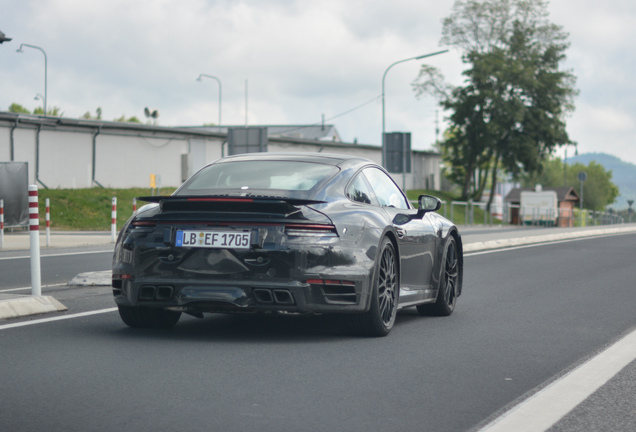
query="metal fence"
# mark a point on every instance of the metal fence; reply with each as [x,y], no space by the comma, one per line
[463,213]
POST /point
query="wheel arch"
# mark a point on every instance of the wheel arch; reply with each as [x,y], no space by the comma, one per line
[460,256]
[393,239]
[391,236]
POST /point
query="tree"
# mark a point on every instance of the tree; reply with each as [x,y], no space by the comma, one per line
[510,112]
[18,109]
[551,175]
[132,119]
[598,189]
[55,111]
[98,115]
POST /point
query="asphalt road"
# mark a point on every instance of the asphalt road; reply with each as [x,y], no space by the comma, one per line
[57,266]
[526,316]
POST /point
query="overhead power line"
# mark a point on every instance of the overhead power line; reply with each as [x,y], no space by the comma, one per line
[334,117]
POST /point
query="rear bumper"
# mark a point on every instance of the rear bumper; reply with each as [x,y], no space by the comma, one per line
[344,295]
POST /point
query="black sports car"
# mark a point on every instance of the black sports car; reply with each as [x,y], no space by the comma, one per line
[303,233]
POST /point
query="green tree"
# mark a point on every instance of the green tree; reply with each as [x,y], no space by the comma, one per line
[510,112]
[551,175]
[598,189]
[55,111]
[98,115]
[18,109]
[132,119]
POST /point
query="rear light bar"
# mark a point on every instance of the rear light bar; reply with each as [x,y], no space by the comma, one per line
[139,223]
[297,229]
[317,227]
[310,230]
[220,199]
[330,282]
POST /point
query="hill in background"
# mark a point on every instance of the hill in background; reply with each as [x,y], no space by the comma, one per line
[623,175]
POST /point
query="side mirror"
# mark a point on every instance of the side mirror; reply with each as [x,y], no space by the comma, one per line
[427,203]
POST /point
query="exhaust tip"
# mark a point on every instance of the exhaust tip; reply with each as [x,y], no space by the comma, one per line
[283,297]
[263,296]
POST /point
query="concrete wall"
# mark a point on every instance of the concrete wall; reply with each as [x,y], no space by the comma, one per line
[65,159]
[425,165]
[125,155]
[5,148]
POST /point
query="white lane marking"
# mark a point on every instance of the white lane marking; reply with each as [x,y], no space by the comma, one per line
[28,288]
[506,249]
[546,407]
[57,318]
[57,255]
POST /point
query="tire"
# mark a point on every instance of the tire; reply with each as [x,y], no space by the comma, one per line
[140,317]
[448,283]
[379,319]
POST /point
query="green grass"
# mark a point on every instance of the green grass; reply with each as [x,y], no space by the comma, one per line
[90,209]
[459,211]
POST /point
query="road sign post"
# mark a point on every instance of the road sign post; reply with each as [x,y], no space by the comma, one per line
[582,178]
[34,233]
[113,220]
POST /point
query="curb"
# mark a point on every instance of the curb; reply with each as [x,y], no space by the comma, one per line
[520,241]
[29,305]
[99,278]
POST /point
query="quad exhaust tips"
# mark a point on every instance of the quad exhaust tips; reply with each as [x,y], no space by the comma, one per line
[275,296]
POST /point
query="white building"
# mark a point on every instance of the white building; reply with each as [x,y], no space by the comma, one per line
[76,153]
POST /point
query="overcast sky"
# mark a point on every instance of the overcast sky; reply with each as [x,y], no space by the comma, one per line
[302,59]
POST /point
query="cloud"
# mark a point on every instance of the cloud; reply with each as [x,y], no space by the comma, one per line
[302,60]
[603,119]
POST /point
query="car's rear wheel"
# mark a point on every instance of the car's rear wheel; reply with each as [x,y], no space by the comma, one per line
[141,317]
[379,319]
[448,283]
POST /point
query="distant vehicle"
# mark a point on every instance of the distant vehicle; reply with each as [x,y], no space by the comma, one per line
[298,233]
[539,207]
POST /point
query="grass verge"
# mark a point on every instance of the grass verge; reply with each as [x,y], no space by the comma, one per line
[90,209]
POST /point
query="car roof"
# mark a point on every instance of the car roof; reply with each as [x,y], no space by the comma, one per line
[323,158]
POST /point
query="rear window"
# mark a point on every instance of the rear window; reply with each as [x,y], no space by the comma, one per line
[261,175]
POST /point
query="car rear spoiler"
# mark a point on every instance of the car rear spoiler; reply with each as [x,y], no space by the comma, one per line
[227,199]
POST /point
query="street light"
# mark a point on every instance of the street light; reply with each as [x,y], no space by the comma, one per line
[383,78]
[45,67]
[218,81]
[565,163]
[4,38]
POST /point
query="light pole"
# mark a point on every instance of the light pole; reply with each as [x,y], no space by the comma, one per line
[383,78]
[218,81]
[565,163]
[45,67]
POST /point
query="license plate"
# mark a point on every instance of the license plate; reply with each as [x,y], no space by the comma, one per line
[214,239]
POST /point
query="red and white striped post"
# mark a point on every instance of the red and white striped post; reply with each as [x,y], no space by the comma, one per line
[34,232]
[134,206]
[48,223]
[1,223]
[113,220]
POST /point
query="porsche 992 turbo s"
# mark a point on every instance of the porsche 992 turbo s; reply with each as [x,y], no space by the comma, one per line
[296,233]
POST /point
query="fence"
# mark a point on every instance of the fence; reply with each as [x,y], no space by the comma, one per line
[463,213]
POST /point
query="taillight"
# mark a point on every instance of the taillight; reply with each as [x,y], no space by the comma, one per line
[310,230]
[330,282]
[220,199]
[143,224]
